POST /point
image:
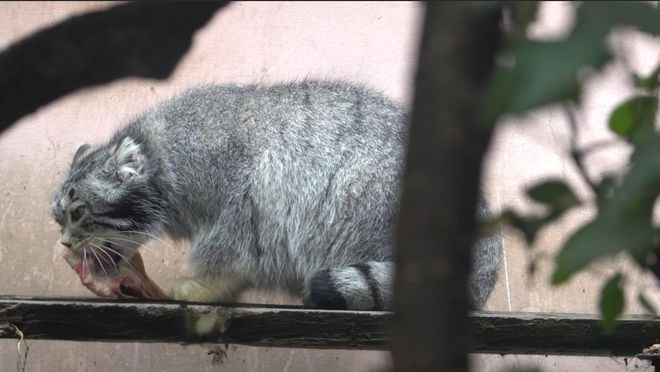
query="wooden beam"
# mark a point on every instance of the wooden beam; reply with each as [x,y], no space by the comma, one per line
[561,334]
[177,322]
[263,325]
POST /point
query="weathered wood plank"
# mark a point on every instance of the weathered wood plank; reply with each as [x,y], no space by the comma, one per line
[169,321]
[561,334]
[289,326]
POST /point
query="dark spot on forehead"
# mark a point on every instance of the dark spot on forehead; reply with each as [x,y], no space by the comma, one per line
[72,193]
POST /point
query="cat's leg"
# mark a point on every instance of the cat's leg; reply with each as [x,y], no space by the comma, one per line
[223,288]
[364,286]
[217,278]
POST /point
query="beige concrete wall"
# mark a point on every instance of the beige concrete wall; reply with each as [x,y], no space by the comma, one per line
[373,43]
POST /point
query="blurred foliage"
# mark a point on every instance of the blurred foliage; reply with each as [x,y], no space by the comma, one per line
[538,73]
[544,72]
[611,301]
[646,304]
[554,194]
[634,120]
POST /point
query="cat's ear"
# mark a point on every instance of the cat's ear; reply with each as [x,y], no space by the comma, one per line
[82,151]
[127,159]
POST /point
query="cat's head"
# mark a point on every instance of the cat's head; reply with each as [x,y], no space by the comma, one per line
[108,205]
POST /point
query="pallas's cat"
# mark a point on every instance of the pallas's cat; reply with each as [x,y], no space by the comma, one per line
[292,186]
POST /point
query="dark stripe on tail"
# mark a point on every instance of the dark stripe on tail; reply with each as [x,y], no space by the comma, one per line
[365,269]
[323,294]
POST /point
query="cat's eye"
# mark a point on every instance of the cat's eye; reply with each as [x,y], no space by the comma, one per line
[77,213]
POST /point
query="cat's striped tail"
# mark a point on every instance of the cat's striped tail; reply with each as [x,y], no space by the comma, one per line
[364,286]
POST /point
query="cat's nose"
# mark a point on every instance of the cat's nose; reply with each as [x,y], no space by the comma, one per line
[66,244]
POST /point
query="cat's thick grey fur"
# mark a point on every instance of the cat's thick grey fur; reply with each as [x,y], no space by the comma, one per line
[292,186]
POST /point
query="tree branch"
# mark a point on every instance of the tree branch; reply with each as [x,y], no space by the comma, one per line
[437,219]
[136,39]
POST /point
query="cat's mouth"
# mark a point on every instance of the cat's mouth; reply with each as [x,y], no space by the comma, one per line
[127,279]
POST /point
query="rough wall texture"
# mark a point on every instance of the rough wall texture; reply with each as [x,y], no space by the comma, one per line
[373,43]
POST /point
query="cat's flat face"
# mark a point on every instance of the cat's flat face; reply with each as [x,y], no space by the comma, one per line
[102,207]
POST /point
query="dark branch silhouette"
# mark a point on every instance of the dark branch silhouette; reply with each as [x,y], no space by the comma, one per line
[136,39]
[436,224]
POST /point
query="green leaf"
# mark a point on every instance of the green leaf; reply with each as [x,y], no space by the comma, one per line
[545,72]
[624,221]
[556,194]
[605,189]
[649,82]
[646,304]
[536,79]
[607,235]
[610,14]
[523,13]
[634,120]
[611,302]
[528,226]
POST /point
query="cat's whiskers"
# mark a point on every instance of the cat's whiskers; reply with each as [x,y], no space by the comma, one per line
[131,266]
[113,239]
[103,250]
[120,245]
[150,235]
[85,267]
[83,243]
[98,259]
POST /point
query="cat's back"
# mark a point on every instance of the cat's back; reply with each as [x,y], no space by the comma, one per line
[322,104]
[315,120]
[311,142]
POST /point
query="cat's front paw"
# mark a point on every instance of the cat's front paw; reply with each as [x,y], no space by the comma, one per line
[197,290]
